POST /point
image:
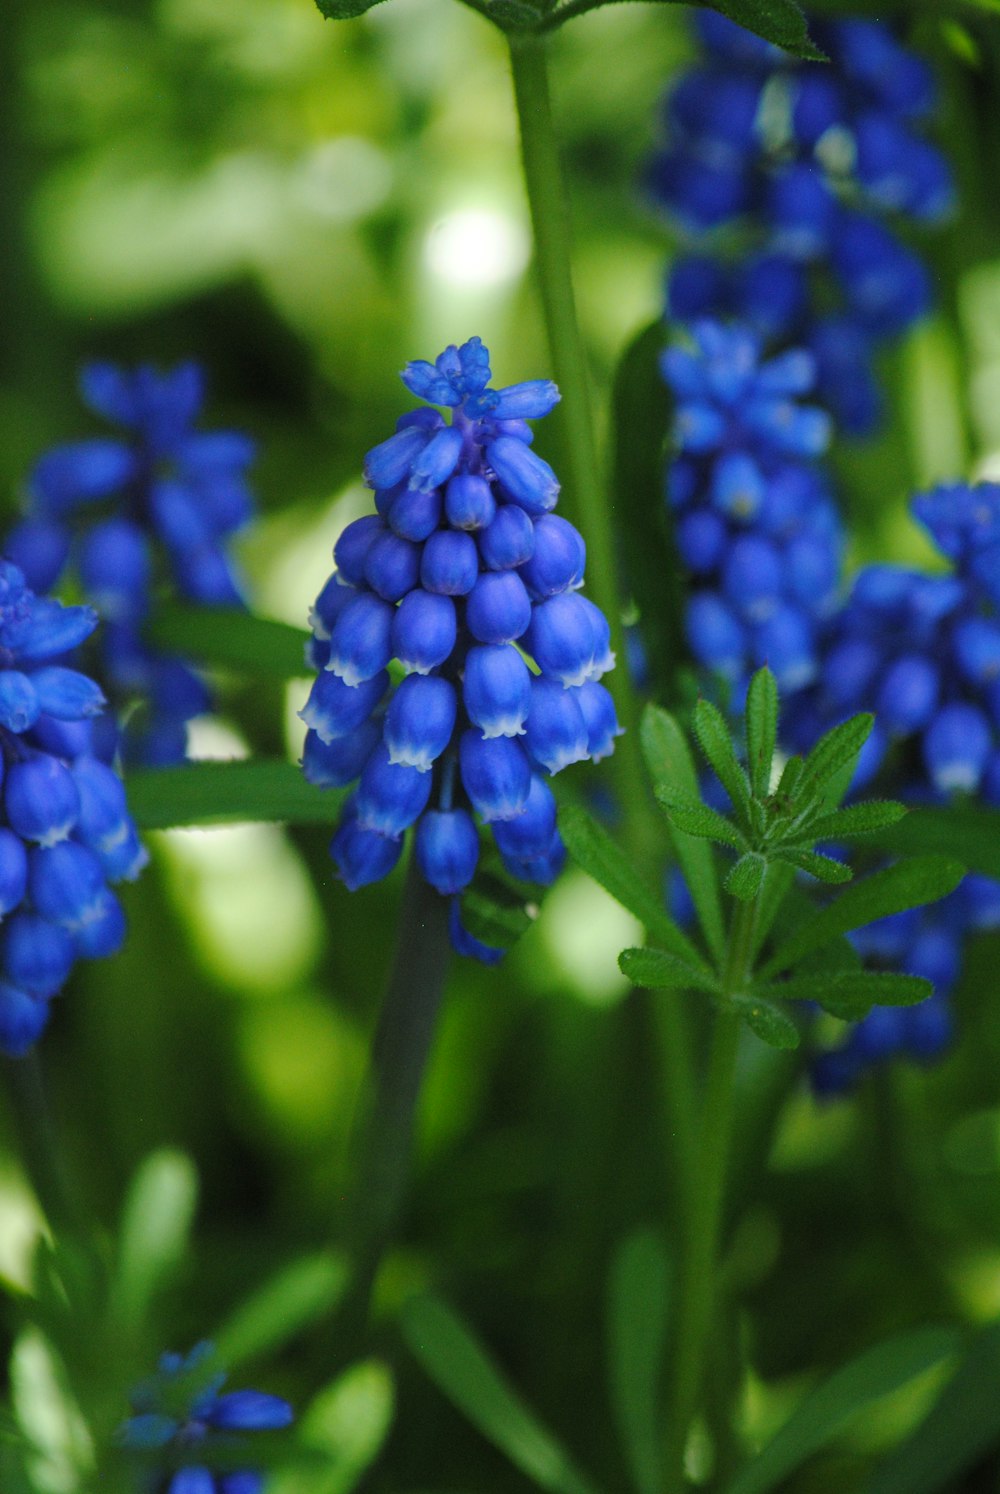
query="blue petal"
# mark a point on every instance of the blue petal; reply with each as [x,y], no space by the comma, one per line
[250,1410]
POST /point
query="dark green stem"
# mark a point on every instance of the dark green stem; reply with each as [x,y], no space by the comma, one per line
[36,1142]
[382,1142]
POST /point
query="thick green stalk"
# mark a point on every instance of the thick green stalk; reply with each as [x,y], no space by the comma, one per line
[704,1217]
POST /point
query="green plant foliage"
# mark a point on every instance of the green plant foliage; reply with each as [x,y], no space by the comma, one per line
[227,638]
[212,793]
[639,1289]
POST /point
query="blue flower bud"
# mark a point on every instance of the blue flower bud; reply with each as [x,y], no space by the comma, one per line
[813,569]
[41,800]
[447,849]
[561,638]
[495,775]
[335,764]
[496,690]
[558,559]
[116,568]
[360,644]
[524,476]
[392,566]
[124,858]
[424,630]
[737,485]
[249,1410]
[392,460]
[602,722]
[438,460]
[13,871]
[702,538]
[908,695]
[469,502]
[40,548]
[464,943]
[316,652]
[935,954]
[19,704]
[752,577]
[541,869]
[36,955]
[420,721]
[22,1020]
[351,550]
[498,609]
[849,669]
[362,856]
[977,648]
[556,730]
[785,642]
[414,513]
[529,834]
[450,563]
[528,401]
[67,694]
[66,883]
[509,540]
[80,472]
[104,818]
[384,498]
[715,635]
[334,709]
[330,603]
[956,748]
[390,796]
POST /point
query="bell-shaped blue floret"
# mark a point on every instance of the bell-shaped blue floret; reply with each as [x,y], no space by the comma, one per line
[509,540]
[351,550]
[392,461]
[40,548]
[849,668]
[528,401]
[66,884]
[424,630]
[464,943]
[529,834]
[495,775]
[737,485]
[390,796]
[977,648]
[561,638]
[104,932]
[66,693]
[450,563]
[956,748]
[249,1411]
[715,635]
[752,577]
[558,560]
[498,609]
[362,856]
[103,808]
[525,477]
[41,799]
[20,707]
[124,858]
[541,869]
[702,537]
[556,732]
[469,502]
[602,722]
[13,871]
[334,709]
[785,641]
[36,955]
[361,641]
[414,514]
[447,849]
[437,461]
[496,689]
[22,1020]
[335,596]
[420,721]
[392,566]
[116,568]
[335,764]
[908,694]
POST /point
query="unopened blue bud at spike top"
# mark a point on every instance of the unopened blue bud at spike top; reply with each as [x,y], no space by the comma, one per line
[470,583]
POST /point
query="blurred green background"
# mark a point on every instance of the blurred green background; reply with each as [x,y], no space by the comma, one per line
[303,207]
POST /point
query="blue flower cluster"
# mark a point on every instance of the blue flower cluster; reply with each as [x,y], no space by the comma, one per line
[128,513]
[181,1412]
[800,164]
[923,652]
[65,830]
[754,520]
[464,576]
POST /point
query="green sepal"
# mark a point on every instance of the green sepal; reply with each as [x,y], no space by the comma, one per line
[716,743]
[746,877]
[761,730]
[824,868]
[655,969]
[773,1026]
[850,994]
[695,818]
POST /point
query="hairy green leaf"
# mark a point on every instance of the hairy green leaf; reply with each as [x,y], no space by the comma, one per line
[657,970]
[824,868]
[746,876]
[494,918]
[214,793]
[773,1026]
[716,743]
[761,730]
[344,10]
[638,1303]
[970,833]
[851,994]
[835,753]
[778,21]
[695,818]
[908,884]
[858,820]
[231,639]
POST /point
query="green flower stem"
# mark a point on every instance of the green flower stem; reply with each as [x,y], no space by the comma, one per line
[704,1217]
[382,1141]
[36,1142]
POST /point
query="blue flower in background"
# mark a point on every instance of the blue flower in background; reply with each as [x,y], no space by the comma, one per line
[470,582]
[65,831]
[183,1415]
[128,515]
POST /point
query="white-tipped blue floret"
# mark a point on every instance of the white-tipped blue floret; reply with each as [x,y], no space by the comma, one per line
[447,849]
[561,638]
[420,721]
[20,707]
[363,856]
[390,796]
[556,729]
[424,630]
[495,775]
[496,689]
[530,833]
[36,955]
[598,710]
[334,709]
[336,764]
[361,641]
[558,560]
[66,884]
[498,609]
[41,800]
[956,748]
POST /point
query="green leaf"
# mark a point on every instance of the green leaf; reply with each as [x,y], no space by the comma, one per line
[347,1424]
[463,1371]
[156,1223]
[824,1412]
[298,1296]
[851,994]
[778,882]
[908,884]
[746,877]
[778,21]
[344,10]
[773,1026]
[836,753]
[669,762]
[638,1303]
[695,818]
[716,743]
[761,730]
[823,868]
[969,833]
[593,849]
[214,793]
[492,915]
[656,970]
[962,1425]
[232,639]
[859,819]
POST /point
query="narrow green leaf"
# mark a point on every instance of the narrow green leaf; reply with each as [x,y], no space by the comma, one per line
[670,763]
[746,877]
[858,820]
[851,994]
[638,1303]
[778,881]
[824,868]
[156,1222]
[715,741]
[908,884]
[346,1424]
[778,21]
[494,919]
[593,849]
[295,1298]
[344,10]
[695,818]
[214,793]
[232,639]
[791,773]
[962,1425]
[835,752]
[761,729]
[656,970]
[773,1026]
[823,1413]
[969,833]
[463,1371]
